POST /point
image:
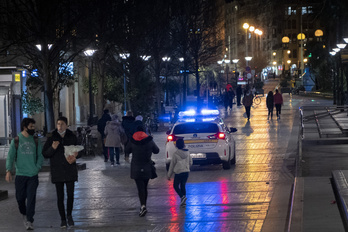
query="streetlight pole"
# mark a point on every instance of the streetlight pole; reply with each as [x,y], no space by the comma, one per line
[124,56]
[235,61]
[166,60]
[89,53]
[246,26]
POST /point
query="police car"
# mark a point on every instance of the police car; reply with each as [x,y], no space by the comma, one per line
[206,136]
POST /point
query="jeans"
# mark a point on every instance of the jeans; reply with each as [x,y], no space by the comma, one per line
[278,109]
[179,183]
[142,190]
[70,186]
[112,151]
[26,191]
[270,111]
[247,111]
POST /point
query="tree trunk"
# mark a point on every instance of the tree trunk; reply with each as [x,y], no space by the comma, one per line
[48,99]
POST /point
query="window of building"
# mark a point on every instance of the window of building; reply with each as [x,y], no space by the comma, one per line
[293,22]
[290,10]
[294,53]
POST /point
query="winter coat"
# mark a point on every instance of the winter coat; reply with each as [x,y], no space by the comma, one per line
[270,101]
[102,123]
[61,170]
[128,125]
[181,162]
[248,100]
[278,99]
[113,132]
[239,90]
[141,146]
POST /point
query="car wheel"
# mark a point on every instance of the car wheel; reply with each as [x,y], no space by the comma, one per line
[233,161]
[226,165]
[167,167]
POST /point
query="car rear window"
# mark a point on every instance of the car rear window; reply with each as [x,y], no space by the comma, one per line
[189,128]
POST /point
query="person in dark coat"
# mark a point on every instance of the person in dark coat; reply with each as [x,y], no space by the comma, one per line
[141,146]
[270,104]
[101,128]
[231,96]
[247,102]
[128,127]
[278,102]
[63,170]
[239,94]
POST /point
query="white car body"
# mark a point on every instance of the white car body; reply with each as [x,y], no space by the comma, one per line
[209,142]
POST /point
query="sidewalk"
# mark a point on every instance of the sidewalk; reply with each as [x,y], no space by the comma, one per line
[324,150]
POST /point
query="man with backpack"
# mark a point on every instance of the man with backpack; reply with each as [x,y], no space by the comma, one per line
[26,153]
[101,127]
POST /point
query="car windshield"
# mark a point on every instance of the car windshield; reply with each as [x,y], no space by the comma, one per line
[189,128]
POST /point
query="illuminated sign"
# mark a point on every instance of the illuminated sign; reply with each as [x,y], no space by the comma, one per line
[17,77]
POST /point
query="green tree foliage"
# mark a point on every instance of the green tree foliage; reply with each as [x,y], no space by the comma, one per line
[30,104]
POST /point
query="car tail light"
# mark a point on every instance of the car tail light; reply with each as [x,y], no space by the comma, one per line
[219,135]
[172,138]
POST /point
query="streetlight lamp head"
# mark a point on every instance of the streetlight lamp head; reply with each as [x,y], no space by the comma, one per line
[166,58]
[332,53]
[274,63]
[305,60]
[235,61]
[345,40]
[341,46]
[89,52]
[181,59]
[285,39]
[289,61]
[274,53]
[288,51]
[248,58]
[219,61]
[336,49]
[124,55]
[227,61]
[301,36]
[251,28]
[245,26]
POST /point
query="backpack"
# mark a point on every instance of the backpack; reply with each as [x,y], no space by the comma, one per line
[16,142]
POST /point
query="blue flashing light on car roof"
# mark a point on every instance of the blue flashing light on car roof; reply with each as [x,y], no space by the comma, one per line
[187,113]
[207,112]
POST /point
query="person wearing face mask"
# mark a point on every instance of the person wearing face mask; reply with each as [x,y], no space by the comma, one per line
[247,102]
[63,169]
[27,157]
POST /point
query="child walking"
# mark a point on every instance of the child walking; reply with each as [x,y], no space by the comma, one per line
[180,165]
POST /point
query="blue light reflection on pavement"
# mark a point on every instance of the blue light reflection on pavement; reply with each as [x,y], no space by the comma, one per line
[202,207]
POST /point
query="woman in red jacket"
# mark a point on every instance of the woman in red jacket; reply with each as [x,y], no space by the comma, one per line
[278,102]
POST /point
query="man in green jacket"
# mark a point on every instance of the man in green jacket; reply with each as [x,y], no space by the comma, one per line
[27,157]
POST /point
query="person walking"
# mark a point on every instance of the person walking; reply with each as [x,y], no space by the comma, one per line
[226,99]
[231,96]
[141,146]
[128,127]
[101,128]
[278,102]
[247,102]
[180,165]
[239,92]
[63,169]
[270,104]
[26,153]
[113,132]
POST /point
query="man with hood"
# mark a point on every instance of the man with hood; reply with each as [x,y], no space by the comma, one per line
[141,146]
[113,132]
[128,125]
[180,165]
[101,127]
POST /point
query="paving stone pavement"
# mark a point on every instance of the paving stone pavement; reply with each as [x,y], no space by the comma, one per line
[252,196]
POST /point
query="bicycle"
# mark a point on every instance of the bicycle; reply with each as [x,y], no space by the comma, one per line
[257,100]
[84,137]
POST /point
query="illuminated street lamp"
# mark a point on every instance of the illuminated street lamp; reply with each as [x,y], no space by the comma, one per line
[235,61]
[124,56]
[166,59]
[223,62]
[246,26]
[89,53]
[341,46]
[336,49]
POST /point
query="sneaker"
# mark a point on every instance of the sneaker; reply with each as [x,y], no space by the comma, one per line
[71,221]
[24,220]
[143,211]
[118,163]
[183,201]
[29,225]
[63,224]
